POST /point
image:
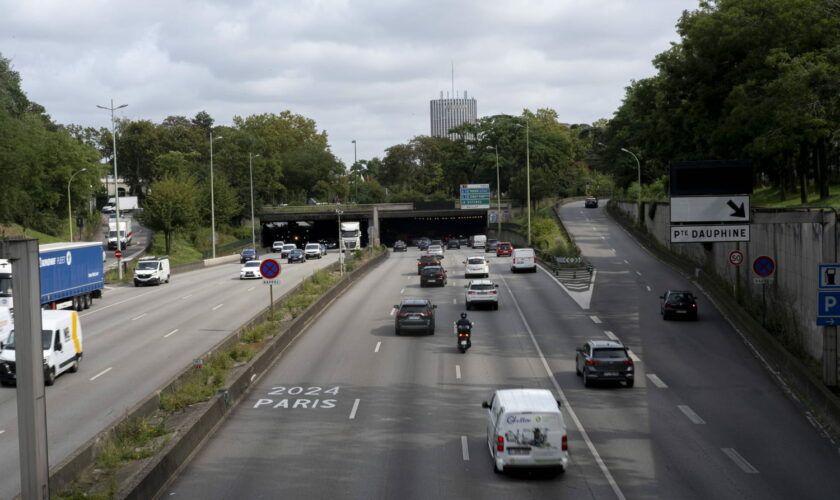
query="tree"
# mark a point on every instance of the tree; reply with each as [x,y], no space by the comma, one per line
[171,205]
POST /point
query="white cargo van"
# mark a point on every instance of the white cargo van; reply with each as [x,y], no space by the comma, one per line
[61,341]
[5,324]
[151,271]
[523,259]
[526,430]
[478,241]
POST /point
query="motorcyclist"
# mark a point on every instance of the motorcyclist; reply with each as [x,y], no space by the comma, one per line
[464,325]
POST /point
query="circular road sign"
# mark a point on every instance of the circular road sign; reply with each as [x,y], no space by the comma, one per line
[270,269]
[764,266]
[736,258]
[118,253]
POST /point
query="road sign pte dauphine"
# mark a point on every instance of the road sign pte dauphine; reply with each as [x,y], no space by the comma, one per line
[706,234]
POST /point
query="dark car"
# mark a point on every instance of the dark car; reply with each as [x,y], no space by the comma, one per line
[433,275]
[436,242]
[297,255]
[247,254]
[427,260]
[423,243]
[453,243]
[504,248]
[464,241]
[604,360]
[590,202]
[491,246]
[415,314]
[399,246]
[678,303]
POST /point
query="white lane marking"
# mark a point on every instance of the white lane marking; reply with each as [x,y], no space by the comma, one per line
[253,377]
[648,287]
[596,319]
[185,297]
[138,317]
[378,345]
[637,272]
[611,335]
[633,356]
[688,412]
[402,291]
[217,306]
[739,460]
[409,278]
[353,411]
[454,301]
[585,435]
[458,371]
[393,310]
[465,450]
[171,333]
[603,237]
[248,290]
[594,228]
[625,261]
[2,431]
[98,308]
[103,372]
[657,381]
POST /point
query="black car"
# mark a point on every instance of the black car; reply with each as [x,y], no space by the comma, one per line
[415,314]
[248,254]
[590,202]
[399,246]
[427,260]
[297,255]
[433,275]
[491,246]
[453,243]
[424,243]
[602,360]
[464,241]
[678,303]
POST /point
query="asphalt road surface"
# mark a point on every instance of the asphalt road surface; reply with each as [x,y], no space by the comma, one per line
[352,411]
[135,340]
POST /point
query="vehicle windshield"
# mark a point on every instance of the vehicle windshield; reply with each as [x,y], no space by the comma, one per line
[350,234]
[252,263]
[5,286]
[313,246]
[677,297]
[147,266]
[413,309]
[429,258]
[288,246]
[248,251]
[113,234]
[432,269]
[610,354]
[482,287]
[46,340]
[475,260]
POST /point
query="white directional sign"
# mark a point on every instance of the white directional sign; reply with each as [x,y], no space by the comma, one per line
[710,209]
[706,234]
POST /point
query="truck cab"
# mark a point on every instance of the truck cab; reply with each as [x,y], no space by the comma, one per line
[351,236]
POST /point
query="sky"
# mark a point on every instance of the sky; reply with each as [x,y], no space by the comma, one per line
[364,70]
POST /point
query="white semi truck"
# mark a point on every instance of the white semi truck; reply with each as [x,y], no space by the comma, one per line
[124,236]
[127,204]
[351,236]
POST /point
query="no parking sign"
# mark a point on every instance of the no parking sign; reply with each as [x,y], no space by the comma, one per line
[270,271]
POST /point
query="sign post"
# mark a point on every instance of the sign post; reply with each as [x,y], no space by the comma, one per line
[828,316]
[270,271]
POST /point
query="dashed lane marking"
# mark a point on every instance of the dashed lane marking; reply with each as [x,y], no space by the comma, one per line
[353,411]
[633,356]
[657,381]
[458,371]
[217,306]
[402,291]
[103,372]
[739,460]
[138,317]
[2,431]
[173,332]
[393,310]
[611,335]
[625,261]
[378,345]
[248,290]
[688,412]
[648,287]
[454,301]
[465,450]
[185,297]
[637,272]
[596,319]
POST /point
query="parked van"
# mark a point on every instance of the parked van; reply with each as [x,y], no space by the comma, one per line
[526,430]
[478,241]
[523,259]
[61,340]
[5,324]
[151,271]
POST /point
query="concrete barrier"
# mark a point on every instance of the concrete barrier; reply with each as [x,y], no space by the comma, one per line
[221,260]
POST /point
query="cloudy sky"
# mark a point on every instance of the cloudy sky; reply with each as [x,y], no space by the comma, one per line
[362,69]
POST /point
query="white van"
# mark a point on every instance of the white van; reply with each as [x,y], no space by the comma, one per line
[61,340]
[151,271]
[523,259]
[5,324]
[478,241]
[526,430]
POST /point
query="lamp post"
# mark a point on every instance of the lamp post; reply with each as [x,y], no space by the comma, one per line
[212,197]
[69,205]
[498,197]
[251,170]
[357,172]
[528,175]
[340,245]
[116,186]
[639,167]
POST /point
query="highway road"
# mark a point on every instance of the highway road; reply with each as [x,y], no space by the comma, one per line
[135,340]
[352,411]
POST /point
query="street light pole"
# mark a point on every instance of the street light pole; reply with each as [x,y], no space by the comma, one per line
[116,186]
[528,175]
[357,172]
[498,197]
[639,167]
[251,170]
[212,197]
[69,205]
[340,245]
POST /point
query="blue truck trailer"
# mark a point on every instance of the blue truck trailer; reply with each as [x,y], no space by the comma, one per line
[72,274]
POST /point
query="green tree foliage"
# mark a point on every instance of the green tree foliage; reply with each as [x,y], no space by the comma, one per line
[171,205]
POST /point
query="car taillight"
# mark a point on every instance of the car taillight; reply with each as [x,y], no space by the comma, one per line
[440,276]
[493,292]
[628,361]
[593,362]
[500,443]
[565,443]
[427,313]
[470,293]
[667,305]
[402,314]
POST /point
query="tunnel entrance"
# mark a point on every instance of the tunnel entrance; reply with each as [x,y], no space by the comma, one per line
[434,227]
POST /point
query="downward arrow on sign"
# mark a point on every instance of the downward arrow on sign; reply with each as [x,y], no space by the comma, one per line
[738,210]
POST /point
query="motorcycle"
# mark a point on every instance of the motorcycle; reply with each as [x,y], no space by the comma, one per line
[464,341]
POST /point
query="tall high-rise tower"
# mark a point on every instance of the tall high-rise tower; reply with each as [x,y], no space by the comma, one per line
[450,112]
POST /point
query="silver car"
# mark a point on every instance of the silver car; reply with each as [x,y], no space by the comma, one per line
[482,292]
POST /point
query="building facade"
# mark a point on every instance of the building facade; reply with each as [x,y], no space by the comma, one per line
[447,113]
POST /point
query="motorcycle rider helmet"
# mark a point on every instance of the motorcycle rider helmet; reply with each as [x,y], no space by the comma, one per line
[463,315]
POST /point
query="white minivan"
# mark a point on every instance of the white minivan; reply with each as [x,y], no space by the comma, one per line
[526,430]
[61,341]
[478,241]
[523,259]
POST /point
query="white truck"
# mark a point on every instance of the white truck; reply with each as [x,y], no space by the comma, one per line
[125,233]
[351,236]
[5,283]
[151,271]
[127,204]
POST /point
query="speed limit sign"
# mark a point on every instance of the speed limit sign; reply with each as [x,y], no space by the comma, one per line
[736,258]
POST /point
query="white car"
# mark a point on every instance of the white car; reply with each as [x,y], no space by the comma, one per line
[435,250]
[482,292]
[277,246]
[312,251]
[250,270]
[476,266]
